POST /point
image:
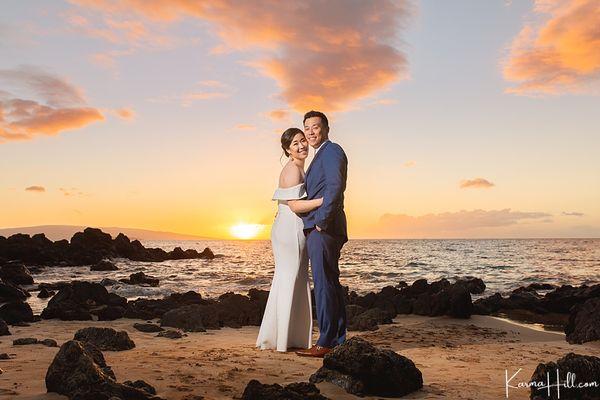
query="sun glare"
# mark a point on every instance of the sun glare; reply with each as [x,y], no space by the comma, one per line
[246,231]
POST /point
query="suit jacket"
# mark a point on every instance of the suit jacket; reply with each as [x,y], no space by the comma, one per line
[326,177]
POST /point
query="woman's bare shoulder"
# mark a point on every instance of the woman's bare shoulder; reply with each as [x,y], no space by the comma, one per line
[291,175]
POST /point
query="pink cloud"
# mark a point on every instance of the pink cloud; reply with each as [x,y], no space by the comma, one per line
[323,55]
[38,189]
[61,106]
[560,55]
[477,183]
[454,224]
[55,90]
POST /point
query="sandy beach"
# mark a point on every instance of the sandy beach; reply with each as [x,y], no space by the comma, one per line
[459,359]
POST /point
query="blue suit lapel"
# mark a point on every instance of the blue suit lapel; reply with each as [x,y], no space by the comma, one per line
[315,158]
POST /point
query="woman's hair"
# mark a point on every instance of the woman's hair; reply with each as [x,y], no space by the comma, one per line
[287,137]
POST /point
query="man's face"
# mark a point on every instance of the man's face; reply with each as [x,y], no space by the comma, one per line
[314,131]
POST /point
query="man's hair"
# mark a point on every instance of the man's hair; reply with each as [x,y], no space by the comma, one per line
[319,114]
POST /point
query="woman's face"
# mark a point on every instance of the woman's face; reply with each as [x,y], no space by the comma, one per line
[299,147]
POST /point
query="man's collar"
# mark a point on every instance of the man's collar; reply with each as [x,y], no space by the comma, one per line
[321,145]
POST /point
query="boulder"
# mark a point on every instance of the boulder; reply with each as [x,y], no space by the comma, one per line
[139,278]
[260,297]
[45,293]
[24,341]
[148,328]
[192,318]
[460,304]
[108,282]
[452,300]
[236,310]
[91,246]
[488,305]
[16,312]
[109,313]
[31,250]
[584,322]
[367,320]
[16,273]
[473,285]
[48,342]
[104,265]
[140,384]
[364,370]
[170,334]
[79,371]
[294,391]
[581,368]
[561,299]
[105,338]
[79,300]
[11,292]
[155,308]
[4,328]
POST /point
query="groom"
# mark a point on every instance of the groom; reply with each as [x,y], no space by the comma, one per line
[325,231]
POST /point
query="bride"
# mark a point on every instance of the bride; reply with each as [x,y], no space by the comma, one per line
[287,321]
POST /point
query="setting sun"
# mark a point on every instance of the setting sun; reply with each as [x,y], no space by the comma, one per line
[246,231]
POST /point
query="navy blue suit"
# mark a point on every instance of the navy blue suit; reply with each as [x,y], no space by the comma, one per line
[326,177]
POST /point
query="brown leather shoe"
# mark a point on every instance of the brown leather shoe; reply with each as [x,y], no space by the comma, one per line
[315,351]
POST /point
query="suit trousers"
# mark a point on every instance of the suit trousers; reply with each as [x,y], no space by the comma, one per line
[324,253]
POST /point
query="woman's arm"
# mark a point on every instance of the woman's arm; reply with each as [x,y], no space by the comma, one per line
[302,206]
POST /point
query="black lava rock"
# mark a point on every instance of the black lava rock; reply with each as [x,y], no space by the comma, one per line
[105,338]
[294,391]
[584,322]
[582,369]
[16,312]
[362,369]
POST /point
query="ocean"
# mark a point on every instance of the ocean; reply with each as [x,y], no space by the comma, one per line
[365,265]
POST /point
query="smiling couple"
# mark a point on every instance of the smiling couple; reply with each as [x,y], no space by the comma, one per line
[310,225]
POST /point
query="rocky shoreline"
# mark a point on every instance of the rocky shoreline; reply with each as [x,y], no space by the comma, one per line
[85,248]
[573,310]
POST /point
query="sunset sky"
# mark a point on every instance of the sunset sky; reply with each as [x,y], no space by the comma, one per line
[460,119]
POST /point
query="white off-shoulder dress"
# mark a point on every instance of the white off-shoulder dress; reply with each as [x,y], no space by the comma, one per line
[287,321]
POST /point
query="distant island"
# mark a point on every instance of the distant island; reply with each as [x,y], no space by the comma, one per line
[59,232]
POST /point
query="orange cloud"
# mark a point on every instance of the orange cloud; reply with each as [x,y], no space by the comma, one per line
[64,107]
[117,29]
[278,115]
[38,189]
[187,99]
[562,54]
[453,223]
[212,83]
[108,59]
[245,127]
[323,55]
[71,191]
[125,113]
[477,183]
